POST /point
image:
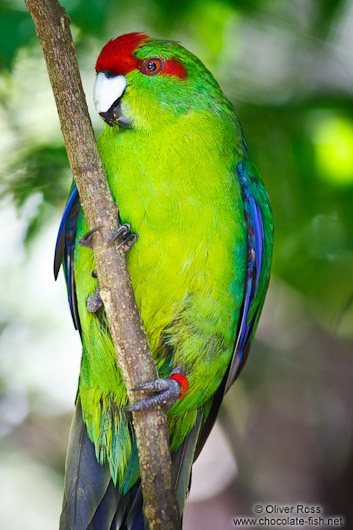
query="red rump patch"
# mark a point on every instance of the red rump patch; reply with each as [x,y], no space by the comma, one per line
[183,382]
[117,55]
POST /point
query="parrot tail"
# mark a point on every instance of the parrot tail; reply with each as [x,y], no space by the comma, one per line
[92,501]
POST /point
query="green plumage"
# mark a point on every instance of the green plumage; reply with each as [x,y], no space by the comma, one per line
[173,175]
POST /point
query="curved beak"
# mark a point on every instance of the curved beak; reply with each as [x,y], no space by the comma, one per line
[113,114]
[107,93]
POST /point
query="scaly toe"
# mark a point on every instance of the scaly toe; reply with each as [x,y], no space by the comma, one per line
[168,392]
[86,240]
[94,302]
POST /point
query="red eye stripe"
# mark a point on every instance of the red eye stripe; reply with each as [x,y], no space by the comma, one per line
[173,67]
[117,55]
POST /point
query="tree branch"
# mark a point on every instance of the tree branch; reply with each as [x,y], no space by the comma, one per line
[132,350]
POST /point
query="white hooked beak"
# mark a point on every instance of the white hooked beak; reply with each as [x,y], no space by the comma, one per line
[108,90]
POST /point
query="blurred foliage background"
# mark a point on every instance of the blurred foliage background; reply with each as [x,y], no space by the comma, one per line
[285,431]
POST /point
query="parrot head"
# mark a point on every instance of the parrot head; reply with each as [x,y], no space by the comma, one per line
[143,82]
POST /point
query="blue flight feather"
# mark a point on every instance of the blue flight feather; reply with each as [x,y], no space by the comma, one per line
[70,203]
[254,226]
[64,250]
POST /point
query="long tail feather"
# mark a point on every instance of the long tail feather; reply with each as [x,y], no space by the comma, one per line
[182,462]
[105,515]
[86,481]
[92,502]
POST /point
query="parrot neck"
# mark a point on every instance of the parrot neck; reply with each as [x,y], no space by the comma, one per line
[171,105]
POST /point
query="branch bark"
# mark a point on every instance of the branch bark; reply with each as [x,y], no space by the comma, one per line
[132,350]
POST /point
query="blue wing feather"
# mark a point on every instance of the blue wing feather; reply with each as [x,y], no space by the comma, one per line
[69,205]
[64,250]
[256,237]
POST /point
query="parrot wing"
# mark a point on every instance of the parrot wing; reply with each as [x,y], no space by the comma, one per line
[64,250]
[259,227]
[258,217]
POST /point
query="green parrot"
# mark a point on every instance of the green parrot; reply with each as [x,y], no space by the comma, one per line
[197,230]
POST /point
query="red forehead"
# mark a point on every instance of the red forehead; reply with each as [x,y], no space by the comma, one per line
[117,55]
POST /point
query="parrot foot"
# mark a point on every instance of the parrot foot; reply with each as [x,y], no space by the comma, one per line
[124,233]
[94,302]
[168,392]
[86,240]
[127,238]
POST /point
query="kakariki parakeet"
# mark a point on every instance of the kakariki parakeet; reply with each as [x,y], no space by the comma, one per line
[178,167]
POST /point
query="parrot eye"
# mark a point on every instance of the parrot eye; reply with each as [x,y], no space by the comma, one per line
[151,66]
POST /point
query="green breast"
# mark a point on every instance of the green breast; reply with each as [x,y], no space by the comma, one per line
[177,189]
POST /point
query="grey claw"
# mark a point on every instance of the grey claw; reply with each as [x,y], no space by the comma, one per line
[129,242]
[124,230]
[86,240]
[127,239]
